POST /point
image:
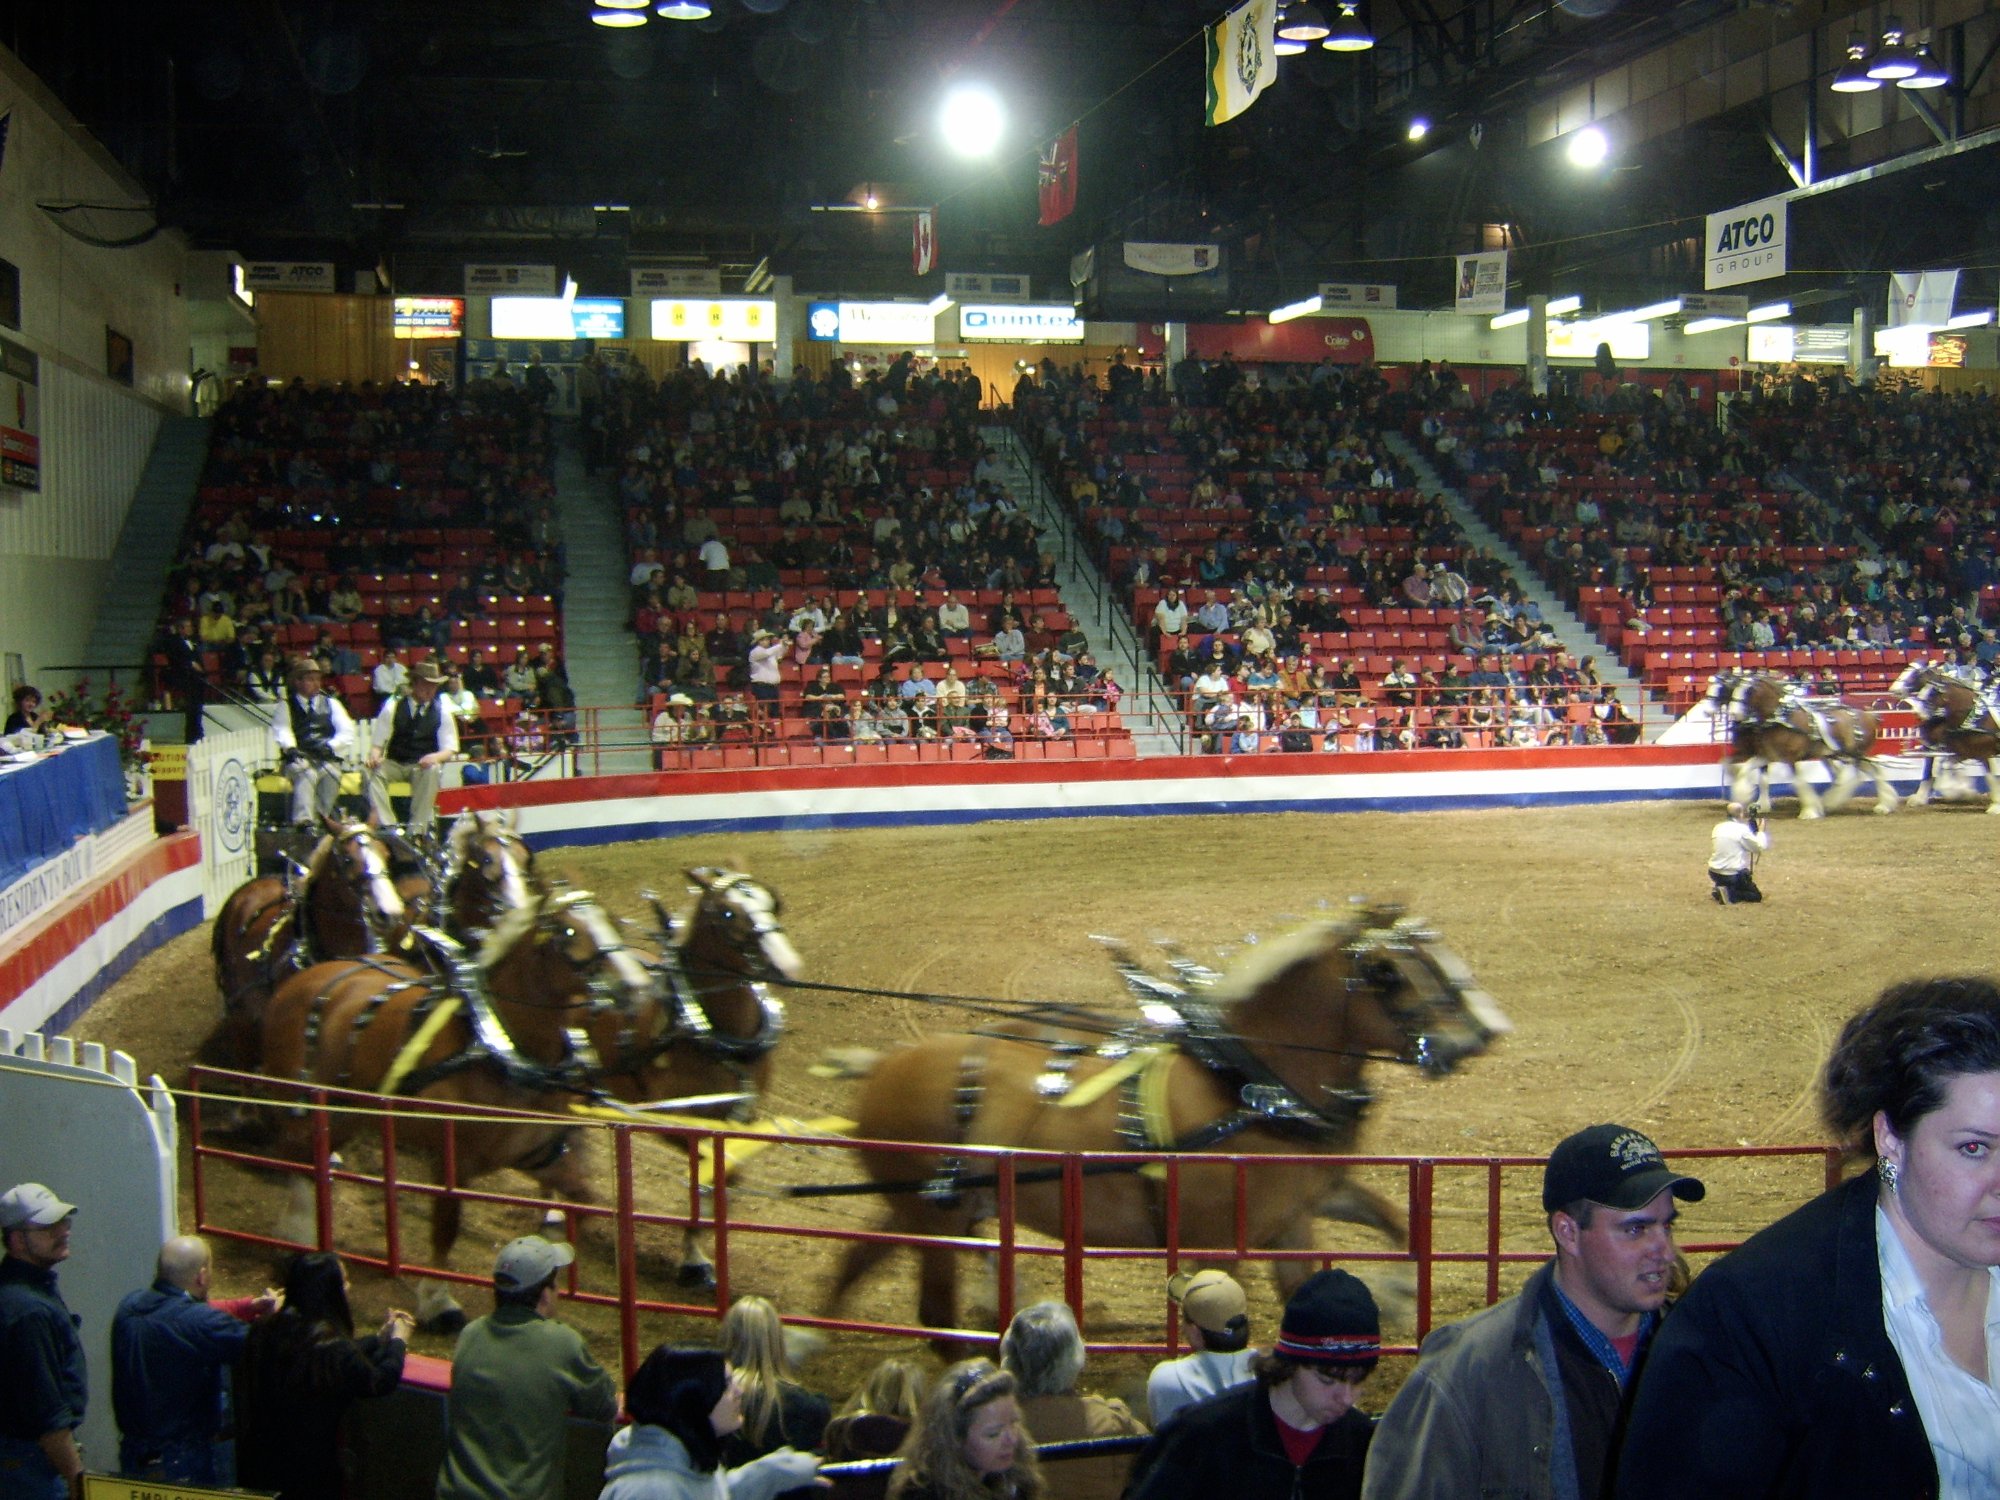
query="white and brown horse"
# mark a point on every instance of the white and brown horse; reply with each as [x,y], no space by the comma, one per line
[1959,725]
[1774,733]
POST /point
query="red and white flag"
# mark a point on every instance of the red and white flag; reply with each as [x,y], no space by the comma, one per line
[923,241]
[1056,177]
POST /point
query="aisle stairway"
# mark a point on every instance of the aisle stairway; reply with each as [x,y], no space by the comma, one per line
[128,614]
[598,647]
[1091,599]
[1577,638]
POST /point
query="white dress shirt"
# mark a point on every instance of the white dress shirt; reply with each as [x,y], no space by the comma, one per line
[1961,1413]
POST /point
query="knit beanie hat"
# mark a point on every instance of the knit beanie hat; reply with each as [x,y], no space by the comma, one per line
[1331,1320]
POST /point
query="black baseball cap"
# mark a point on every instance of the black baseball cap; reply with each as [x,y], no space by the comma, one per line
[1613,1165]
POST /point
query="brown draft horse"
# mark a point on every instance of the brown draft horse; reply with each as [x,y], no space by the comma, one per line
[1957,723]
[1270,1062]
[1774,732]
[554,1008]
[271,928]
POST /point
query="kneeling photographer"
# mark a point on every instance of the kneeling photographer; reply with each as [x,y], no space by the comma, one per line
[1737,842]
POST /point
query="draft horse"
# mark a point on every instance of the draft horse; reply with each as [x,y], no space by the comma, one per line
[1959,724]
[349,900]
[1271,1061]
[554,1008]
[1774,731]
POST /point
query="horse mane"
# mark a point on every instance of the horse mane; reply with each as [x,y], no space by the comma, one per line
[316,861]
[1269,961]
[509,928]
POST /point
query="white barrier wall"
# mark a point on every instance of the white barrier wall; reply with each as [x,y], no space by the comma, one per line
[101,1140]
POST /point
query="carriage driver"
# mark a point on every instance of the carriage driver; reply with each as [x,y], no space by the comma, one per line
[313,734]
[413,737]
[1737,841]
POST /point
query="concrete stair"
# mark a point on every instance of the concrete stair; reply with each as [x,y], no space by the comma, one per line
[598,647]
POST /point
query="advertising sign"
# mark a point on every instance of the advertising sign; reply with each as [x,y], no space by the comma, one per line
[675,281]
[969,286]
[1482,283]
[1772,344]
[290,276]
[904,324]
[1020,323]
[1714,305]
[1630,342]
[1745,243]
[429,317]
[558,318]
[20,417]
[737,320]
[597,318]
[1334,295]
[1301,341]
[511,281]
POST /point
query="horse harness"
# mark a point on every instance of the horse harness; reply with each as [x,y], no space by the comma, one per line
[1791,703]
[1180,1021]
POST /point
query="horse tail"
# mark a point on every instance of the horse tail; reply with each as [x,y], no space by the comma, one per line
[847,1063]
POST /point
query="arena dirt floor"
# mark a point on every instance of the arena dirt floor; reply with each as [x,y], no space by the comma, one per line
[1636,999]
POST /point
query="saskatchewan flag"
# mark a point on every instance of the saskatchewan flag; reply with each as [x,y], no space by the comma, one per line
[1242,59]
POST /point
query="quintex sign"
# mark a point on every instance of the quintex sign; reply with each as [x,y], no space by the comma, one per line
[1745,244]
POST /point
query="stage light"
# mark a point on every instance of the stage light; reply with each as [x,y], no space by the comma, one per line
[972,120]
[1588,147]
[1419,128]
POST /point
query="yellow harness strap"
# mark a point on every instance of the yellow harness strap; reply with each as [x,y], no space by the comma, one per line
[418,1044]
[1103,1082]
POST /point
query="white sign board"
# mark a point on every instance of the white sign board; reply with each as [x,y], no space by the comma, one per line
[675,281]
[1630,342]
[1745,243]
[736,320]
[1714,305]
[1355,294]
[906,325]
[985,286]
[1482,283]
[511,281]
[290,276]
[1020,323]
[1772,343]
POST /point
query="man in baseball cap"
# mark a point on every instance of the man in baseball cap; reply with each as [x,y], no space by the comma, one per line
[43,1386]
[1215,1324]
[517,1377]
[1529,1396]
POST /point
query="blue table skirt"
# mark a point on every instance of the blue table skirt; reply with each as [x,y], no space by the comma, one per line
[47,806]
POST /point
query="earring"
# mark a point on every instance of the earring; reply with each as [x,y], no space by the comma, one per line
[1887,1171]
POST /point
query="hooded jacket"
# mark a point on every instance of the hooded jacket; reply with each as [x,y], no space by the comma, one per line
[649,1463]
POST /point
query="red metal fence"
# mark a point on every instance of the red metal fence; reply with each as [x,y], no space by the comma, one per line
[1476,1212]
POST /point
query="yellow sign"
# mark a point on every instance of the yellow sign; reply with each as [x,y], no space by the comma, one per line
[168,762]
[740,320]
[107,1487]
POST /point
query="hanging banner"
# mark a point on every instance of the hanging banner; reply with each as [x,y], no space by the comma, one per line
[1746,243]
[1921,297]
[675,281]
[290,276]
[923,242]
[1242,59]
[1334,295]
[1482,282]
[1055,178]
[20,417]
[511,281]
[1300,341]
[1157,259]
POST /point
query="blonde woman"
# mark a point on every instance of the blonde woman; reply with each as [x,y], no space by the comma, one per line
[879,1416]
[968,1443]
[778,1412]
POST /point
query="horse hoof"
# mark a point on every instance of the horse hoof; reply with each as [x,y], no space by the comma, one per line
[1808,813]
[697,1278]
[1884,808]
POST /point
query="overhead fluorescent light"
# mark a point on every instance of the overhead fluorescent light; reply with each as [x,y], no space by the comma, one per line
[1770,312]
[1511,319]
[1711,325]
[1651,310]
[1293,310]
[938,304]
[1561,305]
[1971,319]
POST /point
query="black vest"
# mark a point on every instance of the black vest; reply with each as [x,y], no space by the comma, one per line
[312,725]
[413,733]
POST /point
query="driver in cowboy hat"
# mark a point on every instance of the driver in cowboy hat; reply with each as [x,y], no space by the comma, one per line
[413,736]
[313,734]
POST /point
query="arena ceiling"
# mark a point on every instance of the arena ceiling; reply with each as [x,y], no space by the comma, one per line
[415,134]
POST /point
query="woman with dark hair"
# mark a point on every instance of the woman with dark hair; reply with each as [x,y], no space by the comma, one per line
[1849,1349]
[683,1404]
[1295,1434]
[968,1442]
[301,1370]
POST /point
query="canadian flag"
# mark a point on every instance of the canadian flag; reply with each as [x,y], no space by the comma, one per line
[1056,178]
[923,242]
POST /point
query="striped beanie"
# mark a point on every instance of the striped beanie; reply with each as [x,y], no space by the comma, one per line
[1331,1320]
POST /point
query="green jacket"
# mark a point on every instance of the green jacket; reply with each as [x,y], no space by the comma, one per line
[516,1379]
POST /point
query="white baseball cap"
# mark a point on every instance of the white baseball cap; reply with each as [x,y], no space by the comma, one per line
[32,1206]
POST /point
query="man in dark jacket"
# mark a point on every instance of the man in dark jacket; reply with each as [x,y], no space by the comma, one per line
[43,1387]
[1293,1435]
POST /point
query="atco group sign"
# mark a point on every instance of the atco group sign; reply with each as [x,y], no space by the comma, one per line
[1745,244]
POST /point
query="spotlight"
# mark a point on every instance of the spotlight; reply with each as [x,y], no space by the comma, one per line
[684,10]
[1302,23]
[1930,72]
[1346,33]
[972,120]
[619,20]
[1893,61]
[1588,147]
[1419,128]
[1852,78]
